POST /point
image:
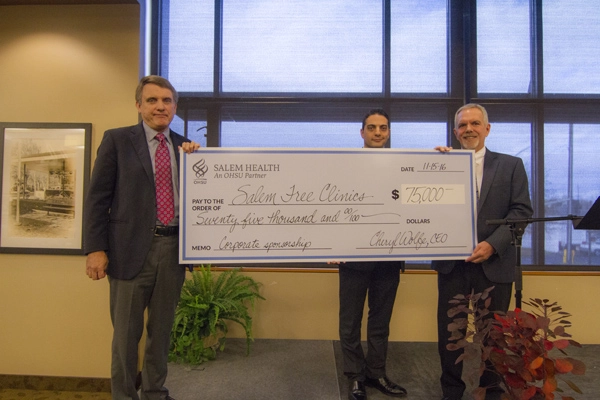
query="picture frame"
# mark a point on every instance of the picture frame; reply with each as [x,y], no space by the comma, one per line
[44,172]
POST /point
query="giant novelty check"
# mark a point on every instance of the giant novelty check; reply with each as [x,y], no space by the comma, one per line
[315,205]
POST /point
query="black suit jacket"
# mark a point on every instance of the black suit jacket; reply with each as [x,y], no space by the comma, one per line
[120,205]
[504,195]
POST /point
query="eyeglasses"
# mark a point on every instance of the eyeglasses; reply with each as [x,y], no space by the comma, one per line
[373,128]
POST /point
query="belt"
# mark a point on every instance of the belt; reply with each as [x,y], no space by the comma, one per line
[166,230]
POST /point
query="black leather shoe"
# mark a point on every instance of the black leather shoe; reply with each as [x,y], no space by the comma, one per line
[357,391]
[385,386]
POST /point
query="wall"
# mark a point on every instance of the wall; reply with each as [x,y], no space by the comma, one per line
[305,305]
[62,64]
[80,64]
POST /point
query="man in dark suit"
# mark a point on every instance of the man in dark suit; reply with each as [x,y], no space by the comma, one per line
[131,234]
[503,192]
[380,280]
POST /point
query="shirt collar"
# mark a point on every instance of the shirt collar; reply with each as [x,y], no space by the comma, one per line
[479,155]
[151,133]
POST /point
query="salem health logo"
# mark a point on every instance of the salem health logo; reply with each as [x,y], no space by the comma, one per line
[200,169]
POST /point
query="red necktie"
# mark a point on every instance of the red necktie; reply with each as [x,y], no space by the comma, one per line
[165,211]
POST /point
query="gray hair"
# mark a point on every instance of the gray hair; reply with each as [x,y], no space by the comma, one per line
[471,105]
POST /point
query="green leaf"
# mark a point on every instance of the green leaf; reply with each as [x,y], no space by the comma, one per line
[207,301]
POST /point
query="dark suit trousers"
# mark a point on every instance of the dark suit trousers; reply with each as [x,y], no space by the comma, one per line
[464,278]
[156,288]
[381,281]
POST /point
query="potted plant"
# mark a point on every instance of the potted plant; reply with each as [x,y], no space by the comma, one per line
[207,303]
[517,345]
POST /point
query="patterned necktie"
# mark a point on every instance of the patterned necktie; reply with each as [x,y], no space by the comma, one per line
[165,211]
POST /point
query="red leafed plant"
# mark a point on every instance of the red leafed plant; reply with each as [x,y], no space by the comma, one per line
[516,345]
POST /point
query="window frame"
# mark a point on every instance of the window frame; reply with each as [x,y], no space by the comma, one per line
[414,107]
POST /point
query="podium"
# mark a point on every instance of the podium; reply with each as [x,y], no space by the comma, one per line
[590,221]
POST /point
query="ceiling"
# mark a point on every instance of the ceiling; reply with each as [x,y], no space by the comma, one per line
[62,2]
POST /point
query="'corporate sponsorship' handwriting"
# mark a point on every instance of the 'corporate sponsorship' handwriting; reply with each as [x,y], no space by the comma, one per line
[255,244]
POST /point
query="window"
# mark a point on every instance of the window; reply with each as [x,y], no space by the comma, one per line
[571,182]
[503,47]
[302,73]
[302,46]
[188,44]
[571,47]
[291,134]
[419,46]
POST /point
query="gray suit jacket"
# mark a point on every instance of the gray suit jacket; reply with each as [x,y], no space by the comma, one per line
[120,204]
[504,195]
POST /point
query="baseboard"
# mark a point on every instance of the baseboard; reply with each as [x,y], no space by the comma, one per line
[55,383]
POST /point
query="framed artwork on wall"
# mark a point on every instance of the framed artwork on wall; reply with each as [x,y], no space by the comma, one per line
[44,171]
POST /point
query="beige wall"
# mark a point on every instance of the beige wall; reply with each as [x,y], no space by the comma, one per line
[62,64]
[80,64]
[305,305]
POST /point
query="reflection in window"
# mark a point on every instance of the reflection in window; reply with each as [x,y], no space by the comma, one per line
[503,51]
[278,46]
[419,46]
[571,46]
[513,139]
[571,187]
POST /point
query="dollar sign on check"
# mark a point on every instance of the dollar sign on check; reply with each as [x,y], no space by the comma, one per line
[395,194]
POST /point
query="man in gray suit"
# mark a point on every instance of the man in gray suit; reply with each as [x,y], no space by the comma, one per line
[503,193]
[132,235]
